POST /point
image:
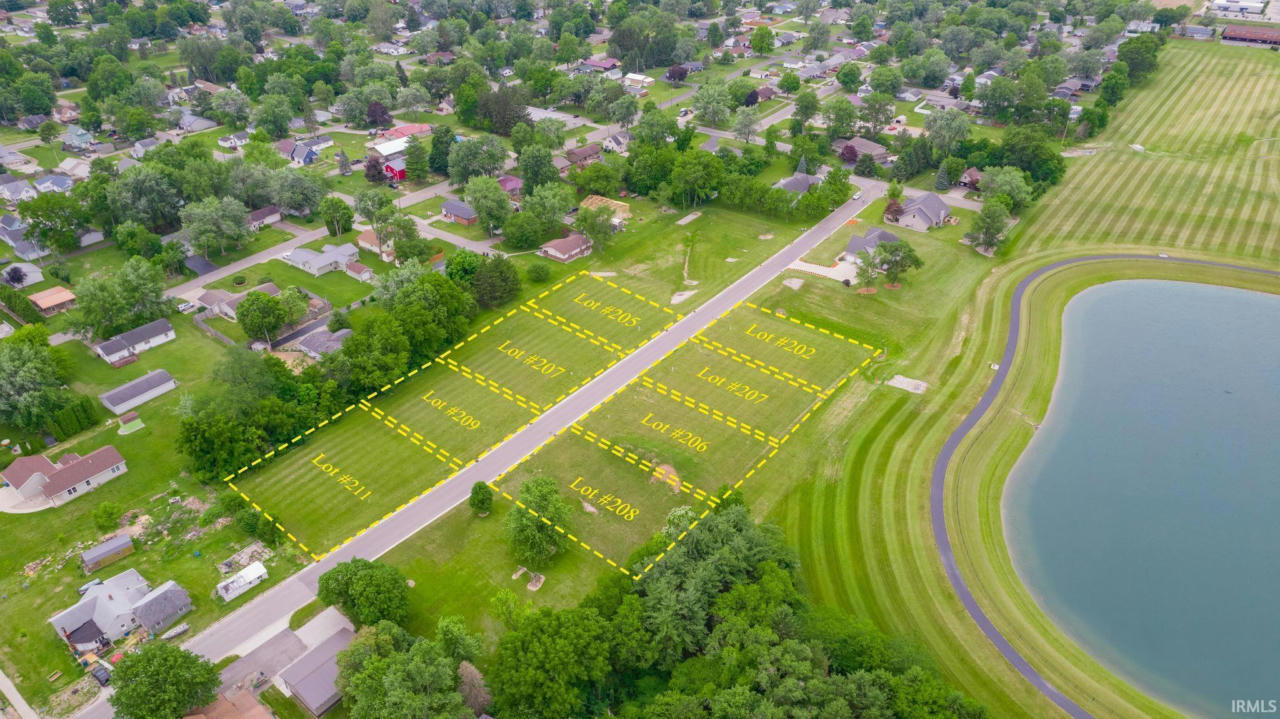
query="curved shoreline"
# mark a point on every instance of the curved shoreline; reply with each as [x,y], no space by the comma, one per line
[937,491]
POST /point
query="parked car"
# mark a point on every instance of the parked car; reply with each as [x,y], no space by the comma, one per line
[101,674]
[186,307]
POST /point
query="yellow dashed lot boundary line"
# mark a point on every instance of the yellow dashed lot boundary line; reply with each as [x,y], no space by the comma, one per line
[643,465]
[407,432]
[703,408]
[778,374]
[874,350]
[572,328]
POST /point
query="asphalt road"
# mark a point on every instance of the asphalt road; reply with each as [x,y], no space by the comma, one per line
[939,479]
[265,616]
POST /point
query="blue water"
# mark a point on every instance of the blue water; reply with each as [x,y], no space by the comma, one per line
[1144,516]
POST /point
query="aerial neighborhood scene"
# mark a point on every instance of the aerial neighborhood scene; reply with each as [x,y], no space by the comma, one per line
[671,359]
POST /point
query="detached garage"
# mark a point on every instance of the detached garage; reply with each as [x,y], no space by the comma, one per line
[130,395]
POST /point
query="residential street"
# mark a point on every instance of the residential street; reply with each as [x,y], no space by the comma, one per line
[265,616]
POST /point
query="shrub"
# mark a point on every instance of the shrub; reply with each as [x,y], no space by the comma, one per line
[238,280]
[538,273]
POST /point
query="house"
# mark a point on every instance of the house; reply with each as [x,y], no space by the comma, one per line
[104,614]
[322,342]
[638,80]
[358,271]
[131,394]
[13,230]
[263,217]
[233,141]
[567,249]
[242,581]
[100,555]
[53,300]
[766,93]
[296,152]
[330,258]
[76,138]
[874,237]
[210,87]
[923,212]
[31,275]
[190,122]
[162,606]
[601,64]
[511,184]
[851,150]
[396,169]
[75,168]
[59,482]
[368,240]
[312,679]
[318,143]
[617,142]
[390,148]
[32,122]
[53,183]
[66,112]
[580,157]
[399,131]
[125,163]
[799,183]
[126,345]
[1239,6]
[458,211]
[439,58]
[142,147]
[909,94]
[635,90]
[392,49]
[1140,27]
[17,191]
[970,178]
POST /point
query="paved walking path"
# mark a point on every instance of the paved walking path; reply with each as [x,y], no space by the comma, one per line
[937,493]
[11,693]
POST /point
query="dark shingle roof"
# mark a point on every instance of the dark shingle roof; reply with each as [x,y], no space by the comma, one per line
[131,390]
[125,340]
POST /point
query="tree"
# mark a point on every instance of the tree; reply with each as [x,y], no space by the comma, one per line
[550,660]
[261,315]
[624,109]
[272,115]
[337,215]
[596,224]
[744,123]
[946,129]
[489,200]
[524,231]
[417,163]
[34,376]
[887,80]
[367,592]
[496,282]
[711,102]
[129,297]
[1139,53]
[160,680]
[762,40]
[849,76]
[806,106]
[344,162]
[374,173]
[988,225]
[214,226]
[877,111]
[296,193]
[598,178]
[533,541]
[462,266]
[1113,87]
[895,259]
[536,167]
[54,221]
[370,202]
[695,176]
[385,673]
[377,115]
[1008,181]
[481,500]
[442,139]
[63,12]
[481,156]
[789,82]
[819,34]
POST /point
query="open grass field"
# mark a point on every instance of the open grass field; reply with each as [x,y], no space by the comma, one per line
[1205,181]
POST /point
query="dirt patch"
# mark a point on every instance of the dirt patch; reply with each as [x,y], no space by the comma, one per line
[731,259]
[688,218]
[589,508]
[893,286]
[536,582]
[866,290]
[679,297]
[605,274]
[667,473]
[766,236]
[195,504]
[794,283]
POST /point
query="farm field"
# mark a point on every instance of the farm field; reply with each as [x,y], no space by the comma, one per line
[1204,180]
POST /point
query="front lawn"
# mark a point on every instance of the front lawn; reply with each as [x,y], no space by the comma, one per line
[428,207]
[336,287]
[265,239]
[471,232]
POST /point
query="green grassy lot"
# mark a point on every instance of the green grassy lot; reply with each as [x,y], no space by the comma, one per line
[336,287]
[29,649]
[1209,143]
[471,232]
[47,156]
[830,248]
[10,134]
[232,330]
[283,707]
[428,207]
[355,182]
[265,239]
[610,314]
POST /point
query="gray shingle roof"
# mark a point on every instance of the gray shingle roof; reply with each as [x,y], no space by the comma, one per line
[458,208]
[930,206]
[125,340]
[131,390]
[106,549]
[874,237]
[162,606]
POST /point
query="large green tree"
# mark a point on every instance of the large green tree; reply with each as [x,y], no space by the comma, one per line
[533,541]
[54,221]
[386,673]
[367,592]
[489,200]
[129,297]
[162,681]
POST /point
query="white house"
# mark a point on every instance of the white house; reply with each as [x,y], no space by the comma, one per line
[567,249]
[921,213]
[330,258]
[135,341]
[131,394]
[637,80]
[62,481]
[322,342]
[119,605]
[263,217]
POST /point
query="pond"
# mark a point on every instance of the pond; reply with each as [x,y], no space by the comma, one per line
[1143,514]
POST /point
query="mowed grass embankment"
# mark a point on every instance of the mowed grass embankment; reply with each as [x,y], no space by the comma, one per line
[1205,178]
